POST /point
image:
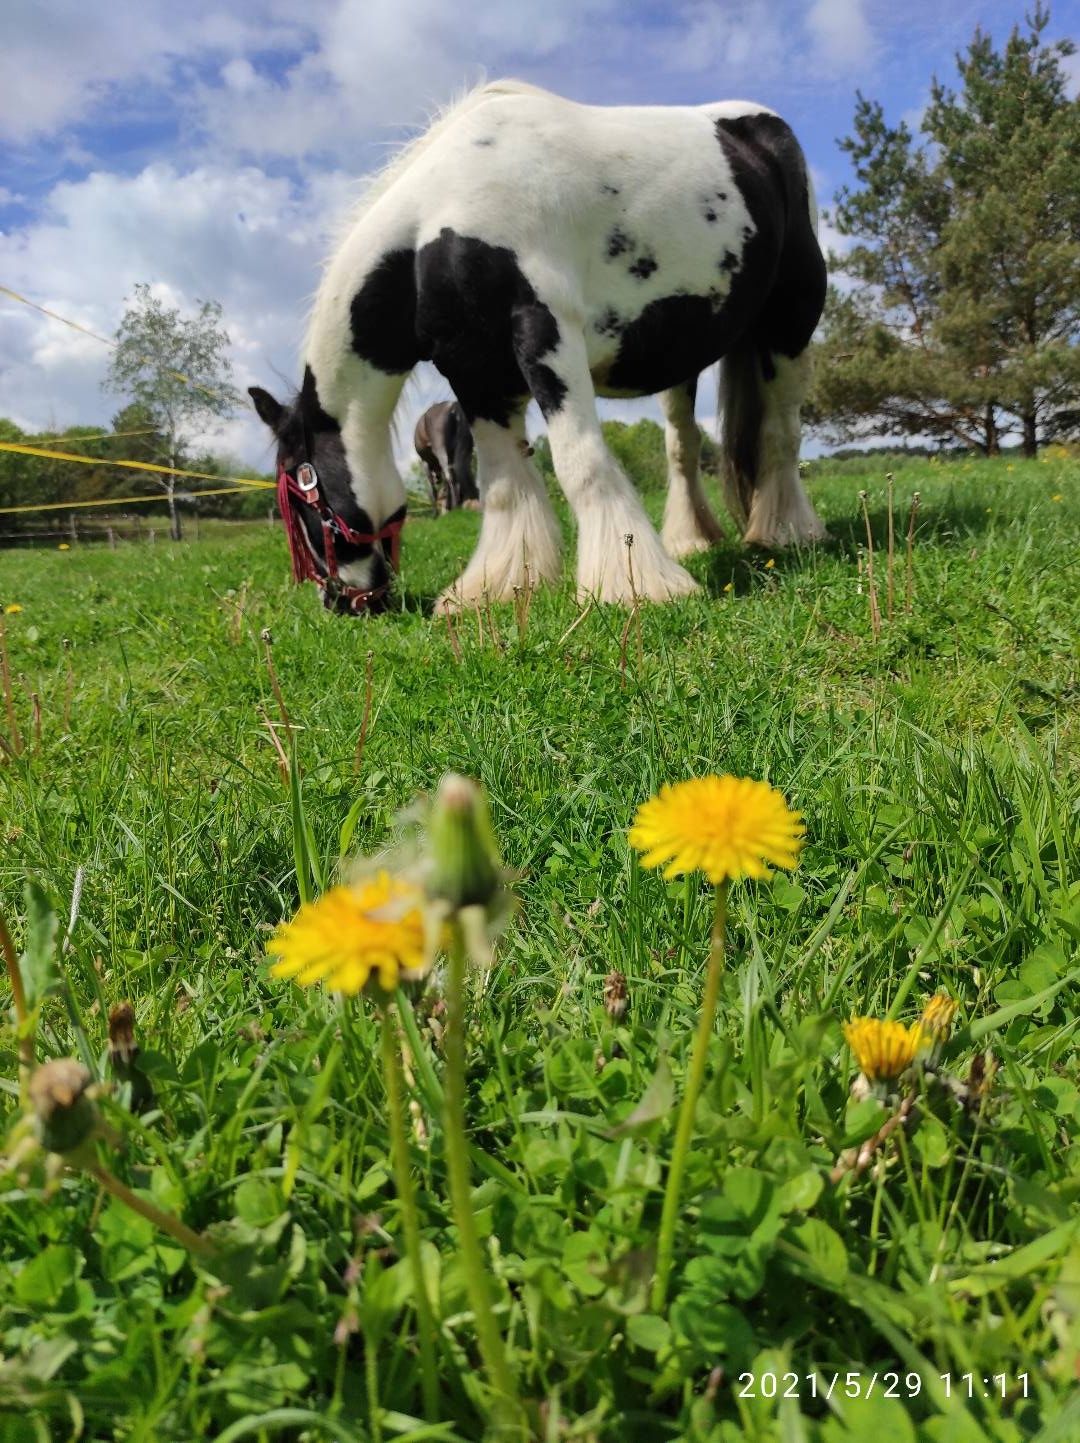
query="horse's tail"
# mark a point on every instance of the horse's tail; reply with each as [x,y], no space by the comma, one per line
[785,323]
[459,445]
[741,408]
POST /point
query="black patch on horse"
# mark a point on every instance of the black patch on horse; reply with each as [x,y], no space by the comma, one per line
[608,188]
[729,262]
[608,323]
[643,267]
[383,314]
[481,322]
[485,140]
[672,338]
[618,242]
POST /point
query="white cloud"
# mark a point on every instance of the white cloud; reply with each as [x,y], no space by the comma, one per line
[841,32]
[237,236]
[739,42]
[61,60]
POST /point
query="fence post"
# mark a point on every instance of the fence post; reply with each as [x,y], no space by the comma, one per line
[73,530]
[151,536]
[112,538]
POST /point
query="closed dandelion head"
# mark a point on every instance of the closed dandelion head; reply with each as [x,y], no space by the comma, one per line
[936,1020]
[12,609]
[464,866]
[370,933]
[882,1049]
[616,995]
[727,827]
[62,1096]
[63,546]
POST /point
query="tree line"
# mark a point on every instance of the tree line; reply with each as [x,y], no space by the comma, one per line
[133,435]
[955,314]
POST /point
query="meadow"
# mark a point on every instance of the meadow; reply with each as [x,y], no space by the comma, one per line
[931,1292]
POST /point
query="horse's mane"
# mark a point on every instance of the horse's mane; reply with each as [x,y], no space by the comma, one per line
[380,181]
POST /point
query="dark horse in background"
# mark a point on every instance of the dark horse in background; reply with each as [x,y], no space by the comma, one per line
[444,443]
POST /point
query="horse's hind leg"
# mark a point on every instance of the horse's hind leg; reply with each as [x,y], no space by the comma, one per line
[520,543]
[780,512]
[608,509]
[689,524]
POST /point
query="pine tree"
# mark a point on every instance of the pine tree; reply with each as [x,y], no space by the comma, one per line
[962,320]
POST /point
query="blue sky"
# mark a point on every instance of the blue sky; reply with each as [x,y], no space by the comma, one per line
[209,147]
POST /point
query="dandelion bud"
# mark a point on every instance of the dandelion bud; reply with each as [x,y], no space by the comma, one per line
[466,869]
[123,1048]
[616,996]
[123,1057]
[65,1112]
[937,1017]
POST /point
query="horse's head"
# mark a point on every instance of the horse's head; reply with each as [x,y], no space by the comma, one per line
[320,509]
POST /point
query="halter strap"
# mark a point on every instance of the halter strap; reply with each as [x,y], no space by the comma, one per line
[304,489]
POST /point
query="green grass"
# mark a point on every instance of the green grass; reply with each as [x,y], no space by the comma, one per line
[937,768]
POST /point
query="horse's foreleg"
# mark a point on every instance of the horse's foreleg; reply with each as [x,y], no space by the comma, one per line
[689,523]
[520,543]
[620,557]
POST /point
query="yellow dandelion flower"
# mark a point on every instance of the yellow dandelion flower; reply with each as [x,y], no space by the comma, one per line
[352,934]
[937,1016]
[770,563]
[730,586]
[727,827]
[883,1050]
[13,609]
[63,546]
[1057,496]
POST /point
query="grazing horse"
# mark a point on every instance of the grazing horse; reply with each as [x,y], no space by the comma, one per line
[444,443]
[581,250]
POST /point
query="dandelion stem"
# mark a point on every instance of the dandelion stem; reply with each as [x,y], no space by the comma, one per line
[9,696]
[200,1246]
[685,1128]
[18,998]
[410,1217]
[457,1163]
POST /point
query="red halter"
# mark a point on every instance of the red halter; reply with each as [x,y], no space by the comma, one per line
[304,488]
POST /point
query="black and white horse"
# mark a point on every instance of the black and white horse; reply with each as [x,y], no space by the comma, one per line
[444,443]
[579,250]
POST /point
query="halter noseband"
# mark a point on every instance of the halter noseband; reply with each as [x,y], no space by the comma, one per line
[303,489]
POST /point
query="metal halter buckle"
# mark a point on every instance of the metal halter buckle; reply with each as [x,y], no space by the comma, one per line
[306,477]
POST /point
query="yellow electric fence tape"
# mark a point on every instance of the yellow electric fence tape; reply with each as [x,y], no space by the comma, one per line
[22,449]
[115,501]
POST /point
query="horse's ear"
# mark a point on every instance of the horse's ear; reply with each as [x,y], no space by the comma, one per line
[269,410]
